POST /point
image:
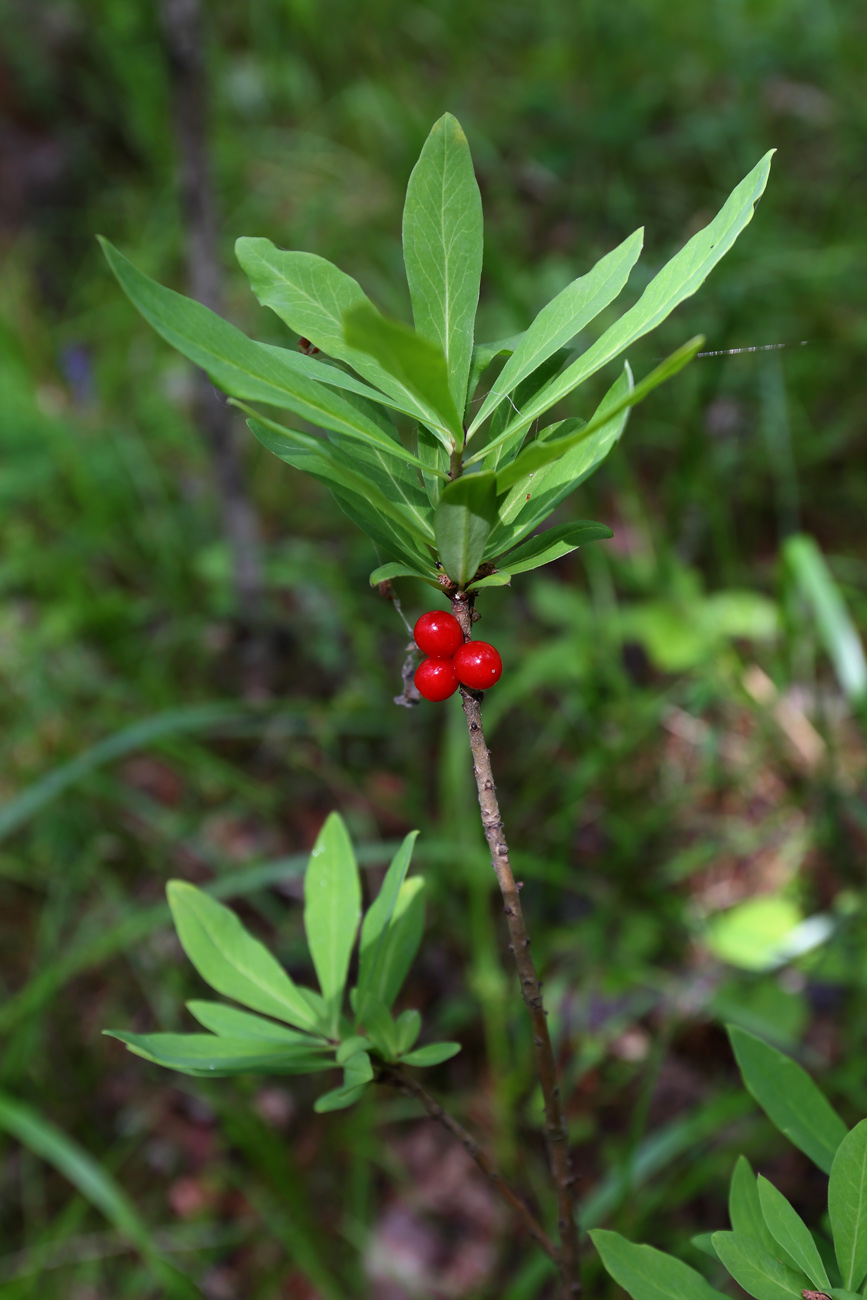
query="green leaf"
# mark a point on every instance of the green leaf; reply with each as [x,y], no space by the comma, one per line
[418,364]
[485,353]
[532,500]
[339,1098]
[703,1241]
[332,909]
[847,1206]
[502,578]
[312,295]
[45,1140]
[755,1270]
[789,1097]
[677,280]
[553,543]
[398,947]
[434,454]
[564,317]
[647,1273]
[357,1070]
[465,515]
[432,1054]
[251,371]
[792,1234]
[407,1029]
[442,248]
[380,915]
[232,961]
[385,572]
[204,1055]
[543,451]
[229,1022]
[351,1047]
[387,524]
[745,1211]
[837,632]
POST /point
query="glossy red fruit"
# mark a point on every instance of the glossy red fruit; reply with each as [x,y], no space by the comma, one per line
[435,679]
[477,665]
[438,634]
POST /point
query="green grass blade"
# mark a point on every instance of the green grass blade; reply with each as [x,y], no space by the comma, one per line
[32,1130]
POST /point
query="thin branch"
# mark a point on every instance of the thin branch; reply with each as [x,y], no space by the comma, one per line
[556,1133]
[410,1087]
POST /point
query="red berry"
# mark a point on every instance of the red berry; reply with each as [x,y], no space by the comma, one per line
[477,665]
[438,634]
[435,678]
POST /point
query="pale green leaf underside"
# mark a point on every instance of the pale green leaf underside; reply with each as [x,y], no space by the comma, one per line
[647,1273]
[554,543]
[393,569]
[678,280]
[232,961]
[442,248]
[847,1205]
[332,908]
[789,1097]
[564,317]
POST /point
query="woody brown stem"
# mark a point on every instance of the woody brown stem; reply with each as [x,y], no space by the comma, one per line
[556,1134]
[410,1087]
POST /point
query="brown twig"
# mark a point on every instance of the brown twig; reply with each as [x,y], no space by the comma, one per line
[556,1133]
[410,1087]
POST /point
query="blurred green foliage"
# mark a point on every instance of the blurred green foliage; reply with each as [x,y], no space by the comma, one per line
[669,735]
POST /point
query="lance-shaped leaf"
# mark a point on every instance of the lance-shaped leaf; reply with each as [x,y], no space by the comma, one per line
[232,961]
[332,909]
[647,1273]
[532,500]
[372,510]
[229,1022]
[755,1270]
[393,569]
[432,1054]
[465,515]
[789,1097]
[407,1027]
[413,360]
[553,543]
[847,1206]
[442,248]
[677,280]
[544,451]
[389,957]
[564,317]
[791,1234]
[745,1211]
[379,917]
[245,369]
[312,295]
[208,1054]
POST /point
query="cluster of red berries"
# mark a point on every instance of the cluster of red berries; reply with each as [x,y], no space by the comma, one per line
[452,662]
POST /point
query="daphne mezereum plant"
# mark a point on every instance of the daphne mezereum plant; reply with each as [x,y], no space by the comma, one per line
[450,486]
